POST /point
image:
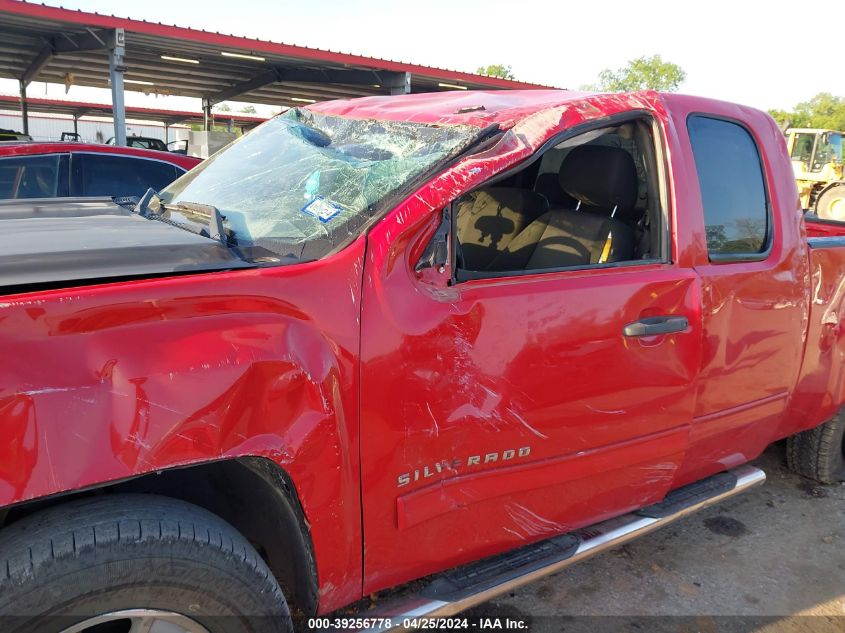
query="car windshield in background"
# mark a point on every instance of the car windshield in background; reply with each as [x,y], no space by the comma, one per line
[303,182]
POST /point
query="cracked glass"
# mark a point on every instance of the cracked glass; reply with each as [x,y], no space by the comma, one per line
[303,183]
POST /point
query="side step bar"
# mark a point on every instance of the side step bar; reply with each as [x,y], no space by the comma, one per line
[465,587]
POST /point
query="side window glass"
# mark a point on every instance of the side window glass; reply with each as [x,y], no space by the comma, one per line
[733,193]
[110,175]
[30,177]
[592,200]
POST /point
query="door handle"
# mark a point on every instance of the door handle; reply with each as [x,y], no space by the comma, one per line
[652,326]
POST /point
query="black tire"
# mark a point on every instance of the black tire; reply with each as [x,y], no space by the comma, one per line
[831,203]
[66,564]
[819,453]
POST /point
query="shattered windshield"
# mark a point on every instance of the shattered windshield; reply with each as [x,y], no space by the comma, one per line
[304,182]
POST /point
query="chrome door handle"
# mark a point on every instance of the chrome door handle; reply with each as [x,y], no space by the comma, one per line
[653,326]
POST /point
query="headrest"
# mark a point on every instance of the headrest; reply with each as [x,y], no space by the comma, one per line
[548,185]
[600,176]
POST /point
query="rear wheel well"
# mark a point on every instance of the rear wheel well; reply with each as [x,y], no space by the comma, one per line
[253,494]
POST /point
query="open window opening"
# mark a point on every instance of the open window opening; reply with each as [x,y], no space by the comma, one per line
[594,199]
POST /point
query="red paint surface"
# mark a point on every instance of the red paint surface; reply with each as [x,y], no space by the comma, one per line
[27,149]
[753,313]
[828,228]
[297,363]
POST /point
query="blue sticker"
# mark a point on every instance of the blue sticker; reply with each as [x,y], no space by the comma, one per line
[322,209]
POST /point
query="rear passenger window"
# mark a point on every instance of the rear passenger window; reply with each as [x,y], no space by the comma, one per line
[733,195]
[111,175]
[31,177]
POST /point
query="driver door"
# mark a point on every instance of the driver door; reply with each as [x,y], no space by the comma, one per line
[499,412]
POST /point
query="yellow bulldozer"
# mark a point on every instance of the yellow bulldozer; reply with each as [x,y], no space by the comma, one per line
[817,161]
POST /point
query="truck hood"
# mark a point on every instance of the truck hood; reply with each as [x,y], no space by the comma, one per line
[67,241]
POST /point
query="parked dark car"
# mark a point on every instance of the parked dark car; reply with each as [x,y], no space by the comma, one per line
[143,142]
[55,170]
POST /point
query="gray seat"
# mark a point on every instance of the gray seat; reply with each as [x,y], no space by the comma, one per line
[604,181]
[488,219]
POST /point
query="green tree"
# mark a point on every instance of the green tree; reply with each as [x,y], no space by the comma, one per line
[249,109]
[825,110]
[496,70]
[223,107]
[642,73]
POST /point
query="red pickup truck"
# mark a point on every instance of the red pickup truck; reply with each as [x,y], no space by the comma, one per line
[474,337]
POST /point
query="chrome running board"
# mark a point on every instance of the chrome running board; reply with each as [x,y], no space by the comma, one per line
[450,594]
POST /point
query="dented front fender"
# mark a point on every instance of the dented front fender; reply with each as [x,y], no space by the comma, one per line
[103,383]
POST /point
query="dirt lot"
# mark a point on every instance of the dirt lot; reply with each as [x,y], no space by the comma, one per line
[771,560]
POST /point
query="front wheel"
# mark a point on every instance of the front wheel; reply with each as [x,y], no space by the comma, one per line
[831,204]
[126,563]
[819,453]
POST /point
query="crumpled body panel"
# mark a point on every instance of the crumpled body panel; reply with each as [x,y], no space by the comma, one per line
[102,383]
[820,392]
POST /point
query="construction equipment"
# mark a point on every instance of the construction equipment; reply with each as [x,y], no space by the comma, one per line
[817,161]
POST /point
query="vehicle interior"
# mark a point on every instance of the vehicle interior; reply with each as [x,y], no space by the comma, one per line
[30,177]
[142,142]
[590,200]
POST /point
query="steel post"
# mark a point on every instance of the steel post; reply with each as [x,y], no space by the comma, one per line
[116,70]
[24,107]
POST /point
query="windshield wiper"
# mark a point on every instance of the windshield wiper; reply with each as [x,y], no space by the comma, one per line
[150,198]
[214,219]
[151,205]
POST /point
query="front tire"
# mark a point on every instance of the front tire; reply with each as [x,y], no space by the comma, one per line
[819,453]
[831,204]
[134,560]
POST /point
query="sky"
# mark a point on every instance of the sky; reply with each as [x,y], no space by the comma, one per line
[741,50]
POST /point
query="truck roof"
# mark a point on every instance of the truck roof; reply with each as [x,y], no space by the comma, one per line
[467,107]
[482,108]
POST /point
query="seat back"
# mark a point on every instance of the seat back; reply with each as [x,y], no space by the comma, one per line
[567,238]
[488,219]
[603,180]
[548,185]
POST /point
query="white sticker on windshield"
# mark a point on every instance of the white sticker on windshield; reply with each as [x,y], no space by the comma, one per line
[322,209]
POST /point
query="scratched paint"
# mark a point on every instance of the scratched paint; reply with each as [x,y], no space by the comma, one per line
[110,381]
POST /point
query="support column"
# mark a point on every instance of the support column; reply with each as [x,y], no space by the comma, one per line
[166,132]
[24,107]
[116,70]
[76,124]
[401,85]
[206,114]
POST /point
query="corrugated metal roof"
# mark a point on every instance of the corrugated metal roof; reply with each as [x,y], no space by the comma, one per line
[298,74]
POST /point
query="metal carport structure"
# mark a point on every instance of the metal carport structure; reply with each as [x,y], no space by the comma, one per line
[78,109]
[59,45]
